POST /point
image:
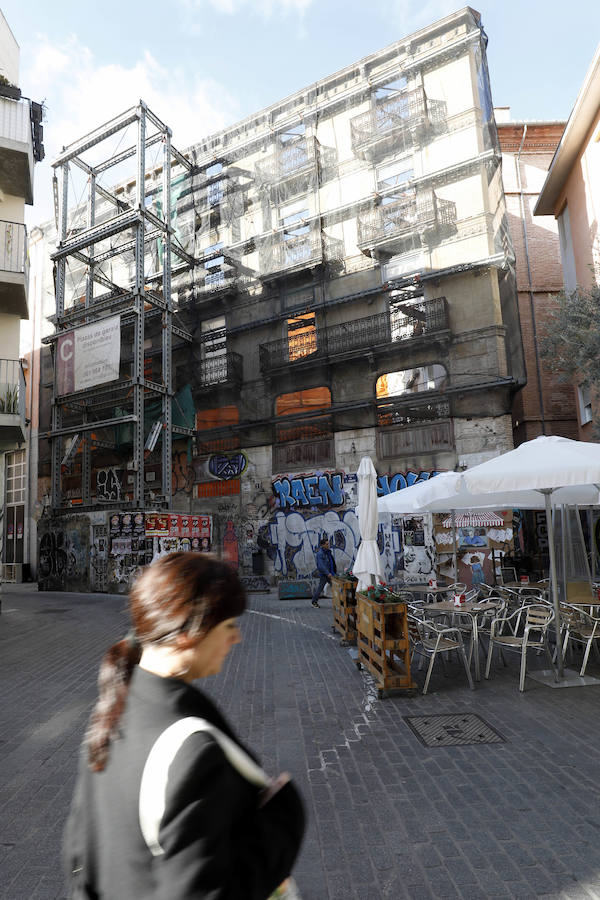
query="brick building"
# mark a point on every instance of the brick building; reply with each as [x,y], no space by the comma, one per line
[545,404]
[570,194]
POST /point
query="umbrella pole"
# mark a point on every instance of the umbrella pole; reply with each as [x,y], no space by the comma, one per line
[454,553]
[552,554]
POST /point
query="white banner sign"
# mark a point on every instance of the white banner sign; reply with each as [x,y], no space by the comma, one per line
[89,356]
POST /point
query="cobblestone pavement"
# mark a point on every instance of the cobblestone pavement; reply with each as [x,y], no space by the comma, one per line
[389,817]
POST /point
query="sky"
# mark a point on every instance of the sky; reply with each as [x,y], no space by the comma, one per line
[201,65]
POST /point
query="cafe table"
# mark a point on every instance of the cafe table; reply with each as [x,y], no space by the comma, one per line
[466,610]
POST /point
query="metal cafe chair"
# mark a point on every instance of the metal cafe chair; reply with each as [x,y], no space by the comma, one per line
[535,636]
[429,638]
[508,574]
[579,627]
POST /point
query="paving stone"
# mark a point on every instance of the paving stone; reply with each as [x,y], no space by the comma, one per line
[388,818]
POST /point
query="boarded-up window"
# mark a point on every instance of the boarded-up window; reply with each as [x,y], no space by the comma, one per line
[213,419]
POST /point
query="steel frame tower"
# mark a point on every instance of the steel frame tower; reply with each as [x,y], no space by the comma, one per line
[121,232]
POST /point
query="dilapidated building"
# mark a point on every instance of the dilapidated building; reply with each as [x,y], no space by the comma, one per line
[329,278]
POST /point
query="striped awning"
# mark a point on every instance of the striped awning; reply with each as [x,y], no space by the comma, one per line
[477,520]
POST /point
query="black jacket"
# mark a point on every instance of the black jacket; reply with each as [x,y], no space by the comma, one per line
[218,845]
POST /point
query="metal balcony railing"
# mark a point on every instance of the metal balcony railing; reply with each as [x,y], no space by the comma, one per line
[406,117]
[13,248]
[415,214]
[402,411]
[285,251]
[368,333]
[223,368]
[293,158]
[12,389]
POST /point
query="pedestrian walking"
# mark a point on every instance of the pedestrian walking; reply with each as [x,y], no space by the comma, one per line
[168,802]
[325,567]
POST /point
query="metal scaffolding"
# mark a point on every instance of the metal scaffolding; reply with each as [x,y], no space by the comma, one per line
[112,265]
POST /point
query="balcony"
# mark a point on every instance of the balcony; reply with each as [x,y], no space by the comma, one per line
[304,444]
[294,159]
[409,427]
[16,148]
[12,402]
[222,369]
[388,226]
[286,252]
[378,333]
[397,124]
[14,269]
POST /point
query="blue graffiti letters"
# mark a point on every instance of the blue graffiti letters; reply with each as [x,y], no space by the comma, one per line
[387,484]
[310,490]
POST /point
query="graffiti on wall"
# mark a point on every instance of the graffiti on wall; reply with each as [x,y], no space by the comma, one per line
[109,484]
[291,540]
[182,473]
[325,490]
[63,557]
[387,484]
[226,466]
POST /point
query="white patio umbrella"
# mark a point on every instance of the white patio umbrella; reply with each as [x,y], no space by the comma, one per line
[367,564]
[556,471]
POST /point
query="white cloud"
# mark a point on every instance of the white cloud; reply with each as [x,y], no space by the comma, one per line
[265,9]
[82,94]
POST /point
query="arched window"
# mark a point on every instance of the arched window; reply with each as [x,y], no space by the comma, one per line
[411,381]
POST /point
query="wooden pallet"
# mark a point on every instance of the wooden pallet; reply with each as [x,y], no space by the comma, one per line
[343,601]
[383,643]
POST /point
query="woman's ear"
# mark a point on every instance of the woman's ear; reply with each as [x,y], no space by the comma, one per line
[185,641]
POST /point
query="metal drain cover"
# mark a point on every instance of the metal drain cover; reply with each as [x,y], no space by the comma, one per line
[453,730]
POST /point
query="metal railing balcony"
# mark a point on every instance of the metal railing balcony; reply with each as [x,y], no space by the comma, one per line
[406,118]
[418,213]
[298,249]
[413,411]
[12,400]
[379,331]
[222,368]
[293,158]
[14,269]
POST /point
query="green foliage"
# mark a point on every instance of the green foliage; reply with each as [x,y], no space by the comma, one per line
[570,345]
[9,403]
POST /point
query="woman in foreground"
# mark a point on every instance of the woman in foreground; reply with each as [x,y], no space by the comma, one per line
[168,803]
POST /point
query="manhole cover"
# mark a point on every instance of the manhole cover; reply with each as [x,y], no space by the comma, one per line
[453,730]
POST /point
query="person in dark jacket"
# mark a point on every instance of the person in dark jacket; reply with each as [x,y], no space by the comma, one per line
[168,802]
[325,567]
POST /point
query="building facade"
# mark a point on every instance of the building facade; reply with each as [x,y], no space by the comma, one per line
[342,284]
[571,194]
[545,405]
[20,148]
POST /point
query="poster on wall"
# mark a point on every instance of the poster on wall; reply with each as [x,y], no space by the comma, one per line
[89,356]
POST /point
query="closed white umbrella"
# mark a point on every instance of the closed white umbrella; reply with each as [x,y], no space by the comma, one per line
[556,470]
[367,565]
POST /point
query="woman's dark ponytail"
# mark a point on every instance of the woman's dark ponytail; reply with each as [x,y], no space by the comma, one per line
[178,592]
[115,674]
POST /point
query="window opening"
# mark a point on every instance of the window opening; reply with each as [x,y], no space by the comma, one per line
[585,404]
[411,381]
[302,336]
